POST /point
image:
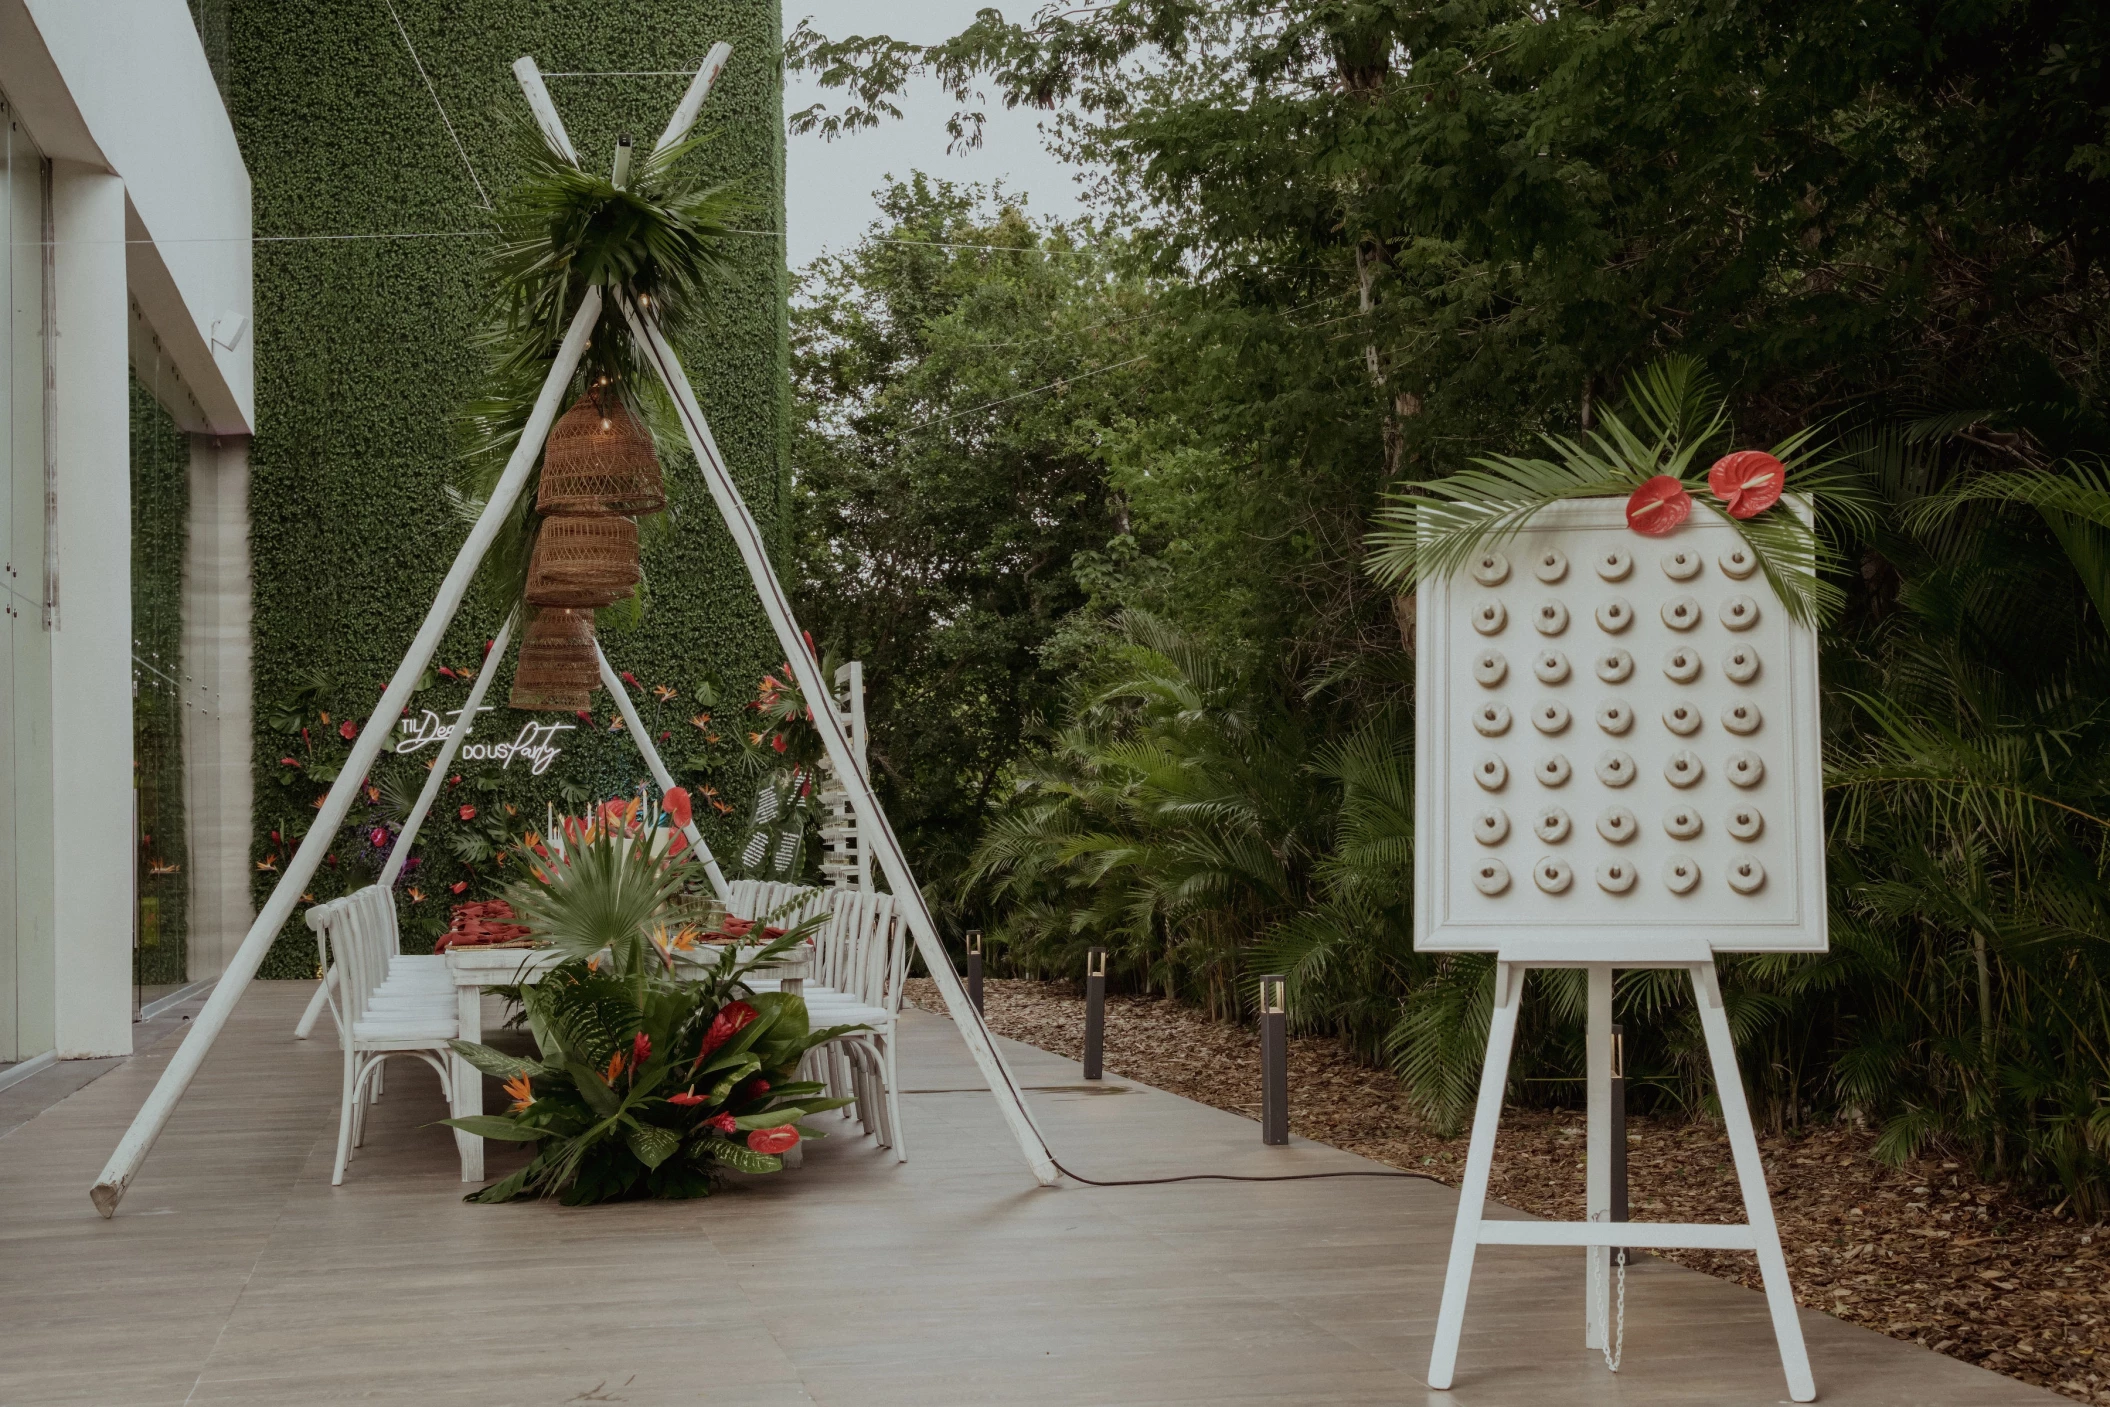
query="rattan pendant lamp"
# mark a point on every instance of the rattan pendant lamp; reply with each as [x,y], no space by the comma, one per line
[599,470]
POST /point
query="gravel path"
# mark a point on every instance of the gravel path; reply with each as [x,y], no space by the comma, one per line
[1925,1251]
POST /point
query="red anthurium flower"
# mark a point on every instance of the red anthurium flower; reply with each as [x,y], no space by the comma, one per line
[721,1122]
[347,730]
[731,1020]
[1658,506]
[777,742]
[459,885]
[686,1099]
[640,1049]
[467,813]
[1748,482]
[676,801]
[775,1140]
[455,780]
[488,644]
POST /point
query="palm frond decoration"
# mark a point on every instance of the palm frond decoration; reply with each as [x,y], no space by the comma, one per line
[657,237]
[1432,529]
[2073,499]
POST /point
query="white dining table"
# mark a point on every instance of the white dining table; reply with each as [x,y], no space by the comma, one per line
[477,969]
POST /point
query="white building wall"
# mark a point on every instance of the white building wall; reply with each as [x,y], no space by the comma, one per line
[152,206]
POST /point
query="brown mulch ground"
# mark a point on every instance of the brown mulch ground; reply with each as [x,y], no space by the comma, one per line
[1926,1251]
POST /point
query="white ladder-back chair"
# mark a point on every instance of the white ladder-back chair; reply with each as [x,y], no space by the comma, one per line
[863,967]
[384,1004]
[859,964]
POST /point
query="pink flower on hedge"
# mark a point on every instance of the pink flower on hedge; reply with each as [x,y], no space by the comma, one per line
[677,803]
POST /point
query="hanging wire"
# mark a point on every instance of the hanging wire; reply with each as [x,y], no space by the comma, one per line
[448,122]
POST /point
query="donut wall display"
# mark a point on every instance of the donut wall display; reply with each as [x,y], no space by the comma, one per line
[1617,748]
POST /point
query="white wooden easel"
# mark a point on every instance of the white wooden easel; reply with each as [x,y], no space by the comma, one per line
[1757,1233]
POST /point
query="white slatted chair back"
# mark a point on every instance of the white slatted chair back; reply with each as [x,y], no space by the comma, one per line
[359,933]
[740,897]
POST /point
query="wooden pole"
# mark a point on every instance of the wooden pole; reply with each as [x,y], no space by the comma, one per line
[153,1116]
[393,870]
[399,856]
[692,101]
[645,745]
[747,536]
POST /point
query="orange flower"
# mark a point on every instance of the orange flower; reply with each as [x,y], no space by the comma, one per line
[615,1067]
[701,722]
[666,695]
[521,1092]
[417,895]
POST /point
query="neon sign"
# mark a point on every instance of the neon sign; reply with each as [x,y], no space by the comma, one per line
[536,743]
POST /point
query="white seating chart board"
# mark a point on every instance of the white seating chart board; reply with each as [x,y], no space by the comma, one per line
[1617,751]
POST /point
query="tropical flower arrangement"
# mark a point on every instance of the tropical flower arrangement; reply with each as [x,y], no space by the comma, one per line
[646,1082]
[1432,529]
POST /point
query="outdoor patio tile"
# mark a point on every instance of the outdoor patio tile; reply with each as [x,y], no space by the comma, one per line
[235,1274]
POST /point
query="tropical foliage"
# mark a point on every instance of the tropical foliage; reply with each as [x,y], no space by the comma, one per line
[1360,258]
[647,1081]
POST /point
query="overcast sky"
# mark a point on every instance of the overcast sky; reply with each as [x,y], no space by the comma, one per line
[829,185]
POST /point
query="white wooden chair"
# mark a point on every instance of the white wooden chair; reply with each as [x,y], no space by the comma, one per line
[862,967]
[384,1004]
[860,962]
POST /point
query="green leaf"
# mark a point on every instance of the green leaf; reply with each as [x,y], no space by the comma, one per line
[495,1126]
[594,1090]
[496,1062]
[653,1145]
[737,1156]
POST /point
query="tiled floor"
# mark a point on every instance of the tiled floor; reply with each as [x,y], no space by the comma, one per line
[234,1273]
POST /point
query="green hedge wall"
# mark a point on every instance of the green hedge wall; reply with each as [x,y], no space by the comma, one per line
[160,522]
[362,351]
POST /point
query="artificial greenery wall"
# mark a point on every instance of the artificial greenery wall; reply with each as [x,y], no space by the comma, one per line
[160,513]
[363,350]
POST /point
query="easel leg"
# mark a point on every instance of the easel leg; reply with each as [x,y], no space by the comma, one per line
[1751,1175]
[1479,1159]
[1597,1177]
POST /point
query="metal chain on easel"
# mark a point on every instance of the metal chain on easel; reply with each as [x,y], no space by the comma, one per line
[1614,1330]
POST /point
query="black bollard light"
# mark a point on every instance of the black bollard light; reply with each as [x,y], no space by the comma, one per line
[974,967]
[1274,1061]
[1094,1012]
[1617,1102]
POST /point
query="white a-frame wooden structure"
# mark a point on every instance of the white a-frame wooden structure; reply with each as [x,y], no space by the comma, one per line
[154,1115]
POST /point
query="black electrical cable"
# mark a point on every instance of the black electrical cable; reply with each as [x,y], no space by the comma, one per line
[1235,1177]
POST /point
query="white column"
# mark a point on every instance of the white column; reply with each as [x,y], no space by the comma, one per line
[91,647]
[217,774]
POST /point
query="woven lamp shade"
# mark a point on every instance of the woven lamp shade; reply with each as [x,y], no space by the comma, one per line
[583,562]
[559,667]
[599,460]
